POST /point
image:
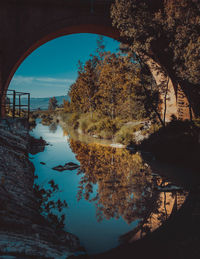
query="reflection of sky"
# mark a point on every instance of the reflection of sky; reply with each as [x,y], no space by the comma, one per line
[80,216]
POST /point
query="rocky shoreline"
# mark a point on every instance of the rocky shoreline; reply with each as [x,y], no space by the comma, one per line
[23,231]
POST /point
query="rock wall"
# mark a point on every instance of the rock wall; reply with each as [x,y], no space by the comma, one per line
[23,231]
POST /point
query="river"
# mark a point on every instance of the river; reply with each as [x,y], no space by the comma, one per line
[113,197]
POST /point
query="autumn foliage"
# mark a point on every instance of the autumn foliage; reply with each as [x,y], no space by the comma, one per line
[109,85]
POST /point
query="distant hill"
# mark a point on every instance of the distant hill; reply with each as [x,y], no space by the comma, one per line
[43,103]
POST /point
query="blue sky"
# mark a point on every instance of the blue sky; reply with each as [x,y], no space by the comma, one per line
[52,68]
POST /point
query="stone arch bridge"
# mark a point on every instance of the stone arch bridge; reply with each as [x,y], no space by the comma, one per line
[26,25]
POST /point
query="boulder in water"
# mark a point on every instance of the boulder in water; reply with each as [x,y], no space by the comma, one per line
[68,166]
[42,163]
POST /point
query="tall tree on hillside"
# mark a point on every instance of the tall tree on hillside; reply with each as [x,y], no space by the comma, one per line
[53,103]
[100,50]
[66,105]
[109,90]
[110,84]
[146,92]
[120,92]
[90,84]
[82,91]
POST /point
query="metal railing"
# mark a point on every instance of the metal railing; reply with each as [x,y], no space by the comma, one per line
[16,104]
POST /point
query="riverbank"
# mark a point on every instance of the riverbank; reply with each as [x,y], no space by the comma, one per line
[123,131]
[23,231]
[99,127]
[178,142]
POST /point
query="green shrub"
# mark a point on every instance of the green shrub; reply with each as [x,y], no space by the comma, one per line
[73,120]
[95,117]
[106,134]
[83,124]
[87,122]
[65,116]
[154,128]
[125,135]
[106,124]
[119,122]
[137,127]
[92,128]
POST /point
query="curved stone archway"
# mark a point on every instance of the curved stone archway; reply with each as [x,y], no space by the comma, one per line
[35,23]
[26,25]
[86,28]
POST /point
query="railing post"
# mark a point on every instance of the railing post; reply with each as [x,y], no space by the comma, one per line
[19,105]
[14,96]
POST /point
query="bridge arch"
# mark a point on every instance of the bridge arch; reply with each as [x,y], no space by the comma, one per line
[44,36]
[26,25]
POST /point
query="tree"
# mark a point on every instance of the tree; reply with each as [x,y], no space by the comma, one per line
[111,85]
[82,91]
[52,103]
[120,91]
[109,90]
[100,50]
[163,28]
[167,32]
[66,105]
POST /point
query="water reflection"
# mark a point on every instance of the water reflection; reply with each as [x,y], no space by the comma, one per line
[126,187]
[53,127]
[113,197]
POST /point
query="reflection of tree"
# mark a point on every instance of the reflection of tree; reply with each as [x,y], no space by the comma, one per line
[125,188]
[125,184]
[48,206]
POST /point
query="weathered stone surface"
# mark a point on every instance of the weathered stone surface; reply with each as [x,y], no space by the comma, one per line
[23,231]
[68,166]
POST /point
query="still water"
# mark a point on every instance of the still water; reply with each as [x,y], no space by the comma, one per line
[113,197]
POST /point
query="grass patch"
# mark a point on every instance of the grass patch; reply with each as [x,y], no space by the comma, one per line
[73,120]
[96,124]
[125,135]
